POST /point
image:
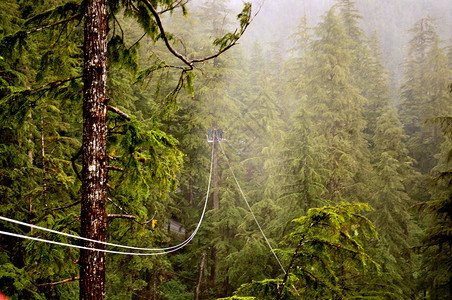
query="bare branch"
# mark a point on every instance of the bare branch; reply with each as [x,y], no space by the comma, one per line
[119,24]
[164,36]
[114,168]
[114,203]
[119,112]
[121,216]
[58,282]
[144,34]
[54,84]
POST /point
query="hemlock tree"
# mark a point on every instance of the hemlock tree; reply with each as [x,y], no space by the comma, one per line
[435,278]
[395,176]
[259,127]
[300,171]
[327,258]
[337,108]
[377,91]
[424,93]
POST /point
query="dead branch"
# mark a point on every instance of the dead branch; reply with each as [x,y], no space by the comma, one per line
[58,282]
[121,216]
[115,168]
[119,112]
[119,25]
[144,34]
[130,217]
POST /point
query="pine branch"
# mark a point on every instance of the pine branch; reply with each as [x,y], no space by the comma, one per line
[325,283]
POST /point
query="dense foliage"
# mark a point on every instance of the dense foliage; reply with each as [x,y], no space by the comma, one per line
[349,180]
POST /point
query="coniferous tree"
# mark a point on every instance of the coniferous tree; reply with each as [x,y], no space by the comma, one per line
[435,247]
[261,127]
[327,258]
[391,201]
[337,107]
[377,90]
[424,93]
[300,171]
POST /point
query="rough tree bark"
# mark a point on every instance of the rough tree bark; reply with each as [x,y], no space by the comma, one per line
[93,213]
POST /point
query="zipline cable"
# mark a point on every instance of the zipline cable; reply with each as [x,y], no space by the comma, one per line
[251,211]
[163,250]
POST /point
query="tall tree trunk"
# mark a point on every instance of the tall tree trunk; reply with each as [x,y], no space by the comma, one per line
[154,281]
[43,154]
[201,267]
[94,174]
[30,155]
[216,198]
[191,196]
[216,206]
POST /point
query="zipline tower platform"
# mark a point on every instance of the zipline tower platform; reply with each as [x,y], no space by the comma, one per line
[214,135]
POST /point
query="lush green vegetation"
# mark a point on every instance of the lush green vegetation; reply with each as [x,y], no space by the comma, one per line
[349,179]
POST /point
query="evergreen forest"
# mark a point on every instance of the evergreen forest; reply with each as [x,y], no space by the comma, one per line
[220,149]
